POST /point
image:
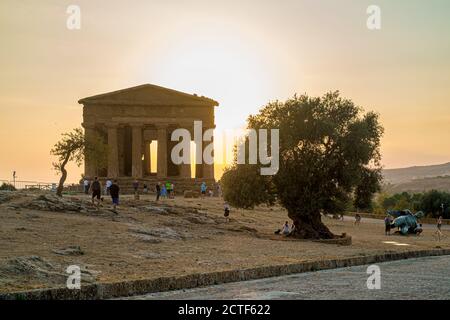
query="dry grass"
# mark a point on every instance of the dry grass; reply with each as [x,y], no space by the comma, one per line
[209,244]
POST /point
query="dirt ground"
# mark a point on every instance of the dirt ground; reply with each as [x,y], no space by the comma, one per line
[40,237]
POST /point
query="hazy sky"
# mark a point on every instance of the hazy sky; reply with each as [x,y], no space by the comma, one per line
[240,53]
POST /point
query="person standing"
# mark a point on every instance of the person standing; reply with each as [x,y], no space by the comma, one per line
[203,189]
[158,191]
[172,190]
[114,192]
[96,189]
[107,186]
[387,226]
[163,191]
[439,228]
[87,185]
[168,189]
[145,188]
[226,214]
[135,186]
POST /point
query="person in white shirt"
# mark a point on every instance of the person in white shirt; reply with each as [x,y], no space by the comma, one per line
[286,230]
[87,185]
[107,186]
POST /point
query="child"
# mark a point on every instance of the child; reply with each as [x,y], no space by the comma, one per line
[226,214]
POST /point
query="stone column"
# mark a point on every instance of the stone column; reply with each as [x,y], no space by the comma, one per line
[136,150]
[198,167]
[147,158]
[90,170]
[162,151]
[208,169]
[113,152]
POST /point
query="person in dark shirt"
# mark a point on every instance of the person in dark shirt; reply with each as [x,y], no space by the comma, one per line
[158,191]
[96,188]
[114,192]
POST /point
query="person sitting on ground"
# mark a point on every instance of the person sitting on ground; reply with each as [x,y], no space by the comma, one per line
[286,231]
[96,189]
[226,208]
[418,230]
[114,192]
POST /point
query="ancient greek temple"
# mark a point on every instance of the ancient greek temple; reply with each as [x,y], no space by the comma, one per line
[129,120]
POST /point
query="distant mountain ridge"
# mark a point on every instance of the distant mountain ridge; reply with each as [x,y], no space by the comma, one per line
[417,179]
[401,175]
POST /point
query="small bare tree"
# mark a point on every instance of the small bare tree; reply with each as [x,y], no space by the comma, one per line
[69,148]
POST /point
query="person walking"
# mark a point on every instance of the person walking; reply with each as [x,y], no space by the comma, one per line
[114,192]
[96,189]
[438,232]
[107,186]
[87,185]
[158,191]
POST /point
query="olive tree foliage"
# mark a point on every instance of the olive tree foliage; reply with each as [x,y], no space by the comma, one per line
[328,147]
[74,147]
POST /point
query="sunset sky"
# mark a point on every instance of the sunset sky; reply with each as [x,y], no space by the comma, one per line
[240,53]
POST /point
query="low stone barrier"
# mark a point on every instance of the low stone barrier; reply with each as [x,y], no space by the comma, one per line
[381,217]
[145,286]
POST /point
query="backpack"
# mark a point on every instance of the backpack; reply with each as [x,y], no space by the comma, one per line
[95,186]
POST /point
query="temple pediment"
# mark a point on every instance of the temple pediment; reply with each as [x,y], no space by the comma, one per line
[151,95]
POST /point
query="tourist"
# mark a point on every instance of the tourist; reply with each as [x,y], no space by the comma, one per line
[226,213]
[107,186]
[387,225]
[357,219]
[169,189]
[114,192]
[286,230]
[87,185]
[203,189]
[96,189]
[135,186]
[163,191]
[219,190]
[145,188]
[172,190]
[439,228]
[418,230]
[158,191]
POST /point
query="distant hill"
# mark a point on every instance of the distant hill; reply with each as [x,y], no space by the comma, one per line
[418,179]
[420,185]
[395,176]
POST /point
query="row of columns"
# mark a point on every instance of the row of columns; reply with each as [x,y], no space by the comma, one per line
[205,171]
